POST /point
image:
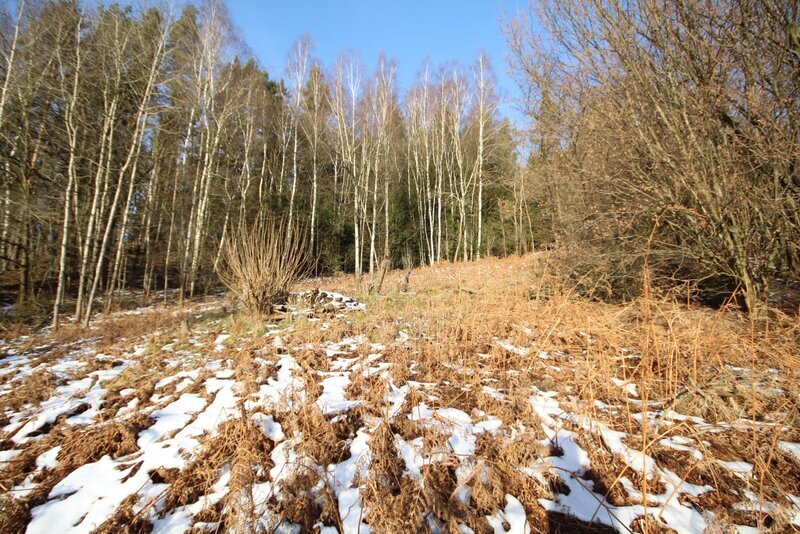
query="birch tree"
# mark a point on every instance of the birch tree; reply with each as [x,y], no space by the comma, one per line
[481,73]
[297,71]
[132,146]
[71,128]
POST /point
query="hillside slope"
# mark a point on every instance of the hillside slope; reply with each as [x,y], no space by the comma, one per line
[484,398]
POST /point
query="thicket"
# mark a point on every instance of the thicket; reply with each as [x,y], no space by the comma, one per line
[666,135]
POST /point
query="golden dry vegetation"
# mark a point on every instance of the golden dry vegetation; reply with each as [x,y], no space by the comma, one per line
[466,395]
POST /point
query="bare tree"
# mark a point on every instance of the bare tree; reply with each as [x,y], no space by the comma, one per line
[297,71]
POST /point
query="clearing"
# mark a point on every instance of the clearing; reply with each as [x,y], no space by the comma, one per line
[485,399]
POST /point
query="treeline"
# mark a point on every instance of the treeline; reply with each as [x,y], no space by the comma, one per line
[133,144]
[666,141]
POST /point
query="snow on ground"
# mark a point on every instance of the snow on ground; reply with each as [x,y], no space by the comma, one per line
[573,464]
[91,494]
[200,389]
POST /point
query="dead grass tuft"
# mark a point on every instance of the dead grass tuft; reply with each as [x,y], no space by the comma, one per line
[14,515]
[33,389]
[126,520]
[498,474]
[324,442]
[89,444]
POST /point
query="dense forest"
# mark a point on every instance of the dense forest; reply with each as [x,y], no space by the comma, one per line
[662,148]
[133,144]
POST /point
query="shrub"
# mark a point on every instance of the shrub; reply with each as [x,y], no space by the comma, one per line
[259,263]
[668,129]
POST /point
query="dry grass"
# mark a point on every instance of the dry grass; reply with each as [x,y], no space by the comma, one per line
[446,332]
[715,364]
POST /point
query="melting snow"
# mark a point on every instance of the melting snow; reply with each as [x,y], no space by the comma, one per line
[92,493]
[342,476]
[586,505]
[85,395]
[513,515]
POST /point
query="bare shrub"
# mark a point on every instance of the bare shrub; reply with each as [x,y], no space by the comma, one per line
[260,263]
[668,127]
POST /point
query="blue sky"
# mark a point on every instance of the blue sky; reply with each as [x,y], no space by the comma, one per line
[409,31]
